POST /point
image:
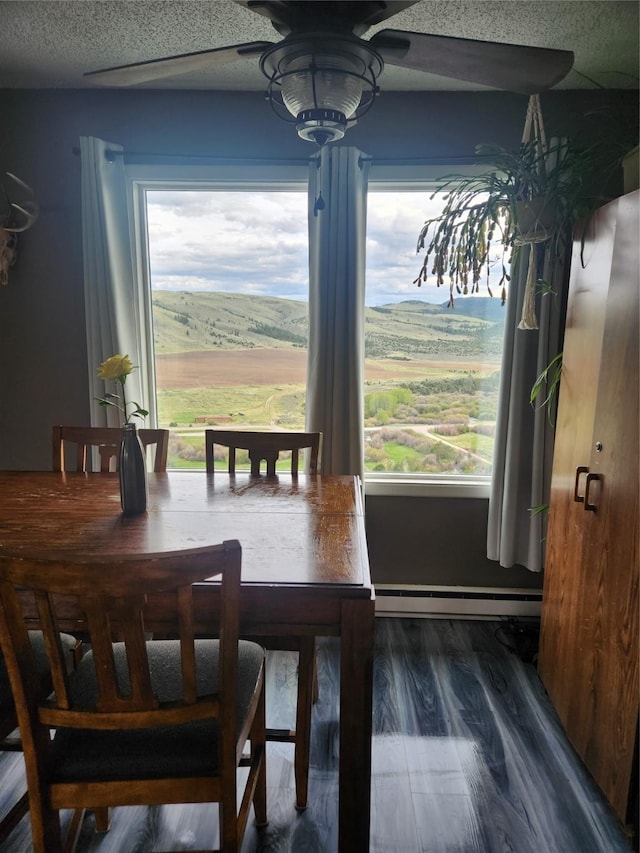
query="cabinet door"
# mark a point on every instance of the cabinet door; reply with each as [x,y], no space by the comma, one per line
[603,715]
[589,650]
[586,305]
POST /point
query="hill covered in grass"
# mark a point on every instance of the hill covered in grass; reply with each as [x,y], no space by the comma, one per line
[201,321]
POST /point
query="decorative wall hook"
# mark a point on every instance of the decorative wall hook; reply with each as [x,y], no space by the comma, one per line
[14,218]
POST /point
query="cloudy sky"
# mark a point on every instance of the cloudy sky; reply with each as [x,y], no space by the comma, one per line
[256,242]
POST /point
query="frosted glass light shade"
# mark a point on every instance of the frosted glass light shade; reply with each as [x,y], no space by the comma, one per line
[322,84]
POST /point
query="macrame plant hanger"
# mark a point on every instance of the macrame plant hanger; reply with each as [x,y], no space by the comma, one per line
[533,133]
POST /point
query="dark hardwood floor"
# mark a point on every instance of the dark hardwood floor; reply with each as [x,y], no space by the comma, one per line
[468,757]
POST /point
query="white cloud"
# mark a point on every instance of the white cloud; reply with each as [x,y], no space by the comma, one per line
[231,241]
[256,243]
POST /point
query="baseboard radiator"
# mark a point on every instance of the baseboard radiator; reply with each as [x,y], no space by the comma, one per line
[457,602]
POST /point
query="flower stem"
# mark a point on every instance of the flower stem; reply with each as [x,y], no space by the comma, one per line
[124,399]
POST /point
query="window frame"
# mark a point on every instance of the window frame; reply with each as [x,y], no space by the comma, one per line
[161,177]
[288,177]
[402,177]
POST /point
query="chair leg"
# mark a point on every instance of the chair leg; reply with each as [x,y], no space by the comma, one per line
[229,841]
[258,743]
[306,678]
[46,835]
[14,816]
[73,830]
[103,818]
[315,676]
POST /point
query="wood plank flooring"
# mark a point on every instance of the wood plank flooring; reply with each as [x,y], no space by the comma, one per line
[468,757]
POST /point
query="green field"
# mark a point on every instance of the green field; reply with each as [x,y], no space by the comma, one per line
[429,403]
[242,405]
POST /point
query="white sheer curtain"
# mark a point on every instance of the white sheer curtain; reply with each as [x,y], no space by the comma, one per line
[112,317]
[335,376]
[523,450]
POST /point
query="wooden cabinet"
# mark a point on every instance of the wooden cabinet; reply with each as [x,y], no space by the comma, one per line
[589,635]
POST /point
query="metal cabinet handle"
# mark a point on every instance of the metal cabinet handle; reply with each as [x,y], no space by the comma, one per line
[577,497]
[590,507]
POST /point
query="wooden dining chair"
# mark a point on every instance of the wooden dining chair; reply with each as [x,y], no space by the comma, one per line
[263,446]
[267,446]
[10,740]
[107,441]
[140,722]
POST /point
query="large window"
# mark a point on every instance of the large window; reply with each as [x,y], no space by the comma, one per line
[229,308]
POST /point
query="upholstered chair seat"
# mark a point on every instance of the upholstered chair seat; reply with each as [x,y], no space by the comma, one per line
[164,751]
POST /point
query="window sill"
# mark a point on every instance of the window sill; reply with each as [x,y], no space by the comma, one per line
[427,487]
[394,485]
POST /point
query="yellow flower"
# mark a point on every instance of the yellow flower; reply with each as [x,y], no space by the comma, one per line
[115,367]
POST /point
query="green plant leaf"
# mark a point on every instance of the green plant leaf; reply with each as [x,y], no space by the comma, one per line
[549,379]
[538,510]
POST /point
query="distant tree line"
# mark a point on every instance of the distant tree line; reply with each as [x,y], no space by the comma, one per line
[277,333]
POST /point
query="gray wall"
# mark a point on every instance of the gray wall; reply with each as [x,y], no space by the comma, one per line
[42,332]
[435,541]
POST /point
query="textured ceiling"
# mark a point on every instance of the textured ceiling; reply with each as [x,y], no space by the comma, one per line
[51,43]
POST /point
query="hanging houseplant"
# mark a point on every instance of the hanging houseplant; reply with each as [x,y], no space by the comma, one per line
[533,195]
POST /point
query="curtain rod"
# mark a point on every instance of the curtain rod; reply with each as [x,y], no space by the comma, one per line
[463,159]
[142,157]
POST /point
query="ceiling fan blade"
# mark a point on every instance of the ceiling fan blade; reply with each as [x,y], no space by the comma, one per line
[172,66]
[353,16]
[515,68]
[385,10]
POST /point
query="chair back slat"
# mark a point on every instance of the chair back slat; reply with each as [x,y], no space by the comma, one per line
[229,634]
[270,456]
[81,457]
[263,446]
[159,437]
[108,619]
[56,654]
[187,648]
[107,442]
[107,453]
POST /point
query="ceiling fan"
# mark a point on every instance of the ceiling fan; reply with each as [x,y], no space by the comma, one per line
[324,75]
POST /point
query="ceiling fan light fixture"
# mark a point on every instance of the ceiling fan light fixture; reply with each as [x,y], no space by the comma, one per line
[324,84]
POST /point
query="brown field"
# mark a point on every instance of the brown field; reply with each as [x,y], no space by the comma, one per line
[231,367]
[274,367]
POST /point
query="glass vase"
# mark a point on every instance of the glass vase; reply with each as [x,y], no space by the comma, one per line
[133,472]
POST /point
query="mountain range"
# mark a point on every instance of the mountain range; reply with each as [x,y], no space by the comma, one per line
[204,320]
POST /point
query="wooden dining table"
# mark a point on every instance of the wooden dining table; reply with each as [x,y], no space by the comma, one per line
[305,570]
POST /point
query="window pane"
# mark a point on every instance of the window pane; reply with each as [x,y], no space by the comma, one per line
[431,372]
[229,278]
